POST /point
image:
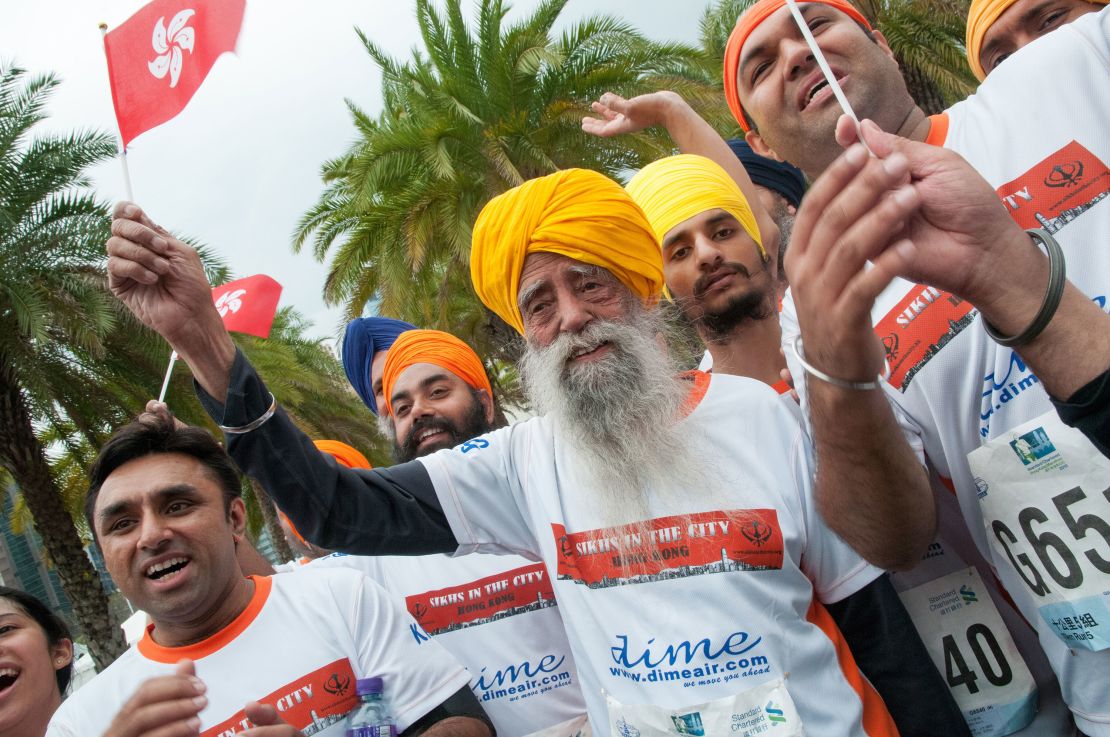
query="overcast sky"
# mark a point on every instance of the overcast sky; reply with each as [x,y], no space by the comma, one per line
[240,165]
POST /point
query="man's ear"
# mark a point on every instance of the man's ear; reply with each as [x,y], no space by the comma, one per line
[882,43]
[487,405]
[760,146]
[237,515]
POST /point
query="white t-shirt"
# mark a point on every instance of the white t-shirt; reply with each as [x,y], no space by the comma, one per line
[1038,130]
[497,615]
[300,644]
[731,596]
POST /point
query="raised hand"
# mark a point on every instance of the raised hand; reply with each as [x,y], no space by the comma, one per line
[168,706]
[851,215]
[962,237]
[162,281]
[618,116]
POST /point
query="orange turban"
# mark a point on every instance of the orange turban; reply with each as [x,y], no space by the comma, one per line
[576,213]
[345,456]
[748,22]
[980,17]
[435,347]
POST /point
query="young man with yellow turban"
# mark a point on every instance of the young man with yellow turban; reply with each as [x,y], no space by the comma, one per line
[958,390]
[674,513]
[998,28]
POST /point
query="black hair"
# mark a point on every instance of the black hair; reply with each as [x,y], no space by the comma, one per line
[52,625]
[158,433]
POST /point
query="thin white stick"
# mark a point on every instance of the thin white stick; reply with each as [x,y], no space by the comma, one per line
[122,149]
[169,373]
[826,70]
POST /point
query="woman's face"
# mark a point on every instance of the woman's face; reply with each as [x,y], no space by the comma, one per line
[27,665]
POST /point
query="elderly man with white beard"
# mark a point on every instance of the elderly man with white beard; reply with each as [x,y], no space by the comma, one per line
[674,513]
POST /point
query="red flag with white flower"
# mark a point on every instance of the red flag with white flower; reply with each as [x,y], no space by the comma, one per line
[158,58]
[248,305]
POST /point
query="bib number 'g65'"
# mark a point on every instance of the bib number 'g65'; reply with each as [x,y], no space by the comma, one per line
[1045,494]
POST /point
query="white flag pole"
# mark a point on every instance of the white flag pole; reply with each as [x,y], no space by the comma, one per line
[826,70]
[122,149]
[169,373]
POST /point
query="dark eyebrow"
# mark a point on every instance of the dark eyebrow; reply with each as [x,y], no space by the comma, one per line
[161,495]
[715,220]
[761,49]
[424,384]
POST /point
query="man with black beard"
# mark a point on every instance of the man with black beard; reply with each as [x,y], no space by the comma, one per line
[673,513]
[435,394]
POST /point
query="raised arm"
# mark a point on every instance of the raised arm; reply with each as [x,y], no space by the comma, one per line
[690,133]
[965,243]
[384,511]
[870,487]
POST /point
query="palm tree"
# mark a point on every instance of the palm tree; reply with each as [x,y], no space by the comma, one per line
[54,317]
[926,36]
[481,109]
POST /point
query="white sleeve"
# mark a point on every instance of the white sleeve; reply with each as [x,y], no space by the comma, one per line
[418,673]
[478,485]
[60,727]
[836,570]
[788,322]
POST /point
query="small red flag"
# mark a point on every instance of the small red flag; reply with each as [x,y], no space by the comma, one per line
[159,57]
[248,305]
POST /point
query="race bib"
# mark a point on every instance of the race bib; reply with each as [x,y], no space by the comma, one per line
[577,727]
[1045,494]
[764,710]
[970,645]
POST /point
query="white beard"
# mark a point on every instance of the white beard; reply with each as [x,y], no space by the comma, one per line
[621,415]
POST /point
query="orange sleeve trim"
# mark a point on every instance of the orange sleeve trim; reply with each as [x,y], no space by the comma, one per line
[160,654]
[877,721]
[938,130]
[781,387]
[701,381]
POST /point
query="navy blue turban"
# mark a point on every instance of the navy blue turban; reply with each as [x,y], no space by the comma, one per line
[779,176]
[365,337]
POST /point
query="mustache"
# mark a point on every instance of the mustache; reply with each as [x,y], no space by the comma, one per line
[430,423]
[731,267]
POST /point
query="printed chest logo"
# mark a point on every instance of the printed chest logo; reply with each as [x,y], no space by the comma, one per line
[311,703]
[918,327]
[1058,189]
[518,681]
[689,663]
[671,547]
[502,595]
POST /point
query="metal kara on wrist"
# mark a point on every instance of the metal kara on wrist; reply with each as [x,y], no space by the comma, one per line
[1056,278]
[843,384]
[254,424]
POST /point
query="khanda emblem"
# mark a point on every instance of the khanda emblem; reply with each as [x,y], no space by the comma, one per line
[890,347]
[419,611]
[1065,175]
[756,533]
[337,685]
[565,547]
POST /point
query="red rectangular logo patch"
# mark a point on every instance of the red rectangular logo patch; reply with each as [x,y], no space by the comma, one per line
[671,547]
[311,703]
[1057,190]
[917,328]
[506,594]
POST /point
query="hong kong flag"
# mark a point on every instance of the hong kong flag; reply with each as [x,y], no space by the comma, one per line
[160,56]
[248,305]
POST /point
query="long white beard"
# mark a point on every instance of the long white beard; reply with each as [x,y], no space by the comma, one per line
[621,415]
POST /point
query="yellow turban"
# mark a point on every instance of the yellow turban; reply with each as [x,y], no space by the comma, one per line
[575,213]
[980,17]
[675,189]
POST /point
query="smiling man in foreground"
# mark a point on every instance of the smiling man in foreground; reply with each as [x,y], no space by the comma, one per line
[227,653]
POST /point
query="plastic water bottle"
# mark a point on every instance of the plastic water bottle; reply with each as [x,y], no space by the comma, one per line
[371,718]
